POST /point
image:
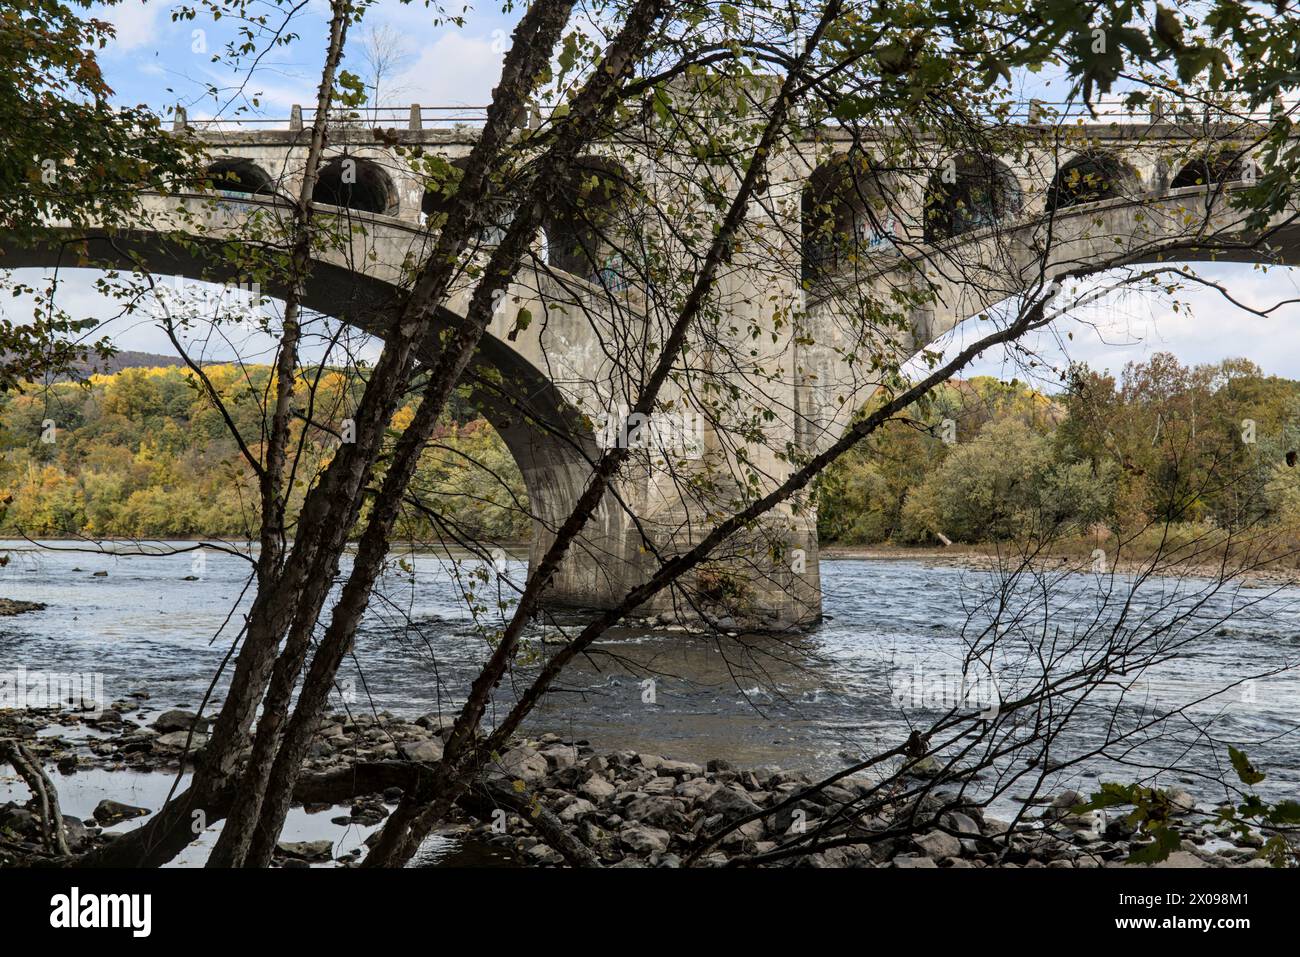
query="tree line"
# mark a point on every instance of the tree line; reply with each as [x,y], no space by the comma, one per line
[142,453]
[1160,443]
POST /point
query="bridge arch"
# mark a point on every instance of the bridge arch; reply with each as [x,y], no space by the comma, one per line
[1210,169]
[239,176]
[548,437]
[355,182]
[596,201]
[1091,177]
[436,201]
[846,212]
[969,191]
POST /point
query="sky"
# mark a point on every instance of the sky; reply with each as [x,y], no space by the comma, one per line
[159,62]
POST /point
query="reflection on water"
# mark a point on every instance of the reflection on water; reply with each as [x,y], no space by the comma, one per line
[891,648]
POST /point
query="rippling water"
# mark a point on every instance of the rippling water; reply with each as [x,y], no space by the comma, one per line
[889,657]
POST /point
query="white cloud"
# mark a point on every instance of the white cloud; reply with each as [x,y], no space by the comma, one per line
[135,22]
[456,70]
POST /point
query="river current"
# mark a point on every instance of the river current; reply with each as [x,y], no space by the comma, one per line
[889,657]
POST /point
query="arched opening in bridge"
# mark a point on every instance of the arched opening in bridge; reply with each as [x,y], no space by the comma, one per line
[242,177]
[1089,178]
[1211,169]
[353,182]
[436,203]
[846,214]
[968,192]
[591,228]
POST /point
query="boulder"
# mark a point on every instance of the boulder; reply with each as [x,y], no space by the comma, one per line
[541,854]
[109,812]
[679,769]
[427,751]
[696,789]
[654,809]
[560,756]
[644,840]
[913,860]
[659,785]
[177,740]
[937,844]
[306,850]
[576,809]
[596,788]
[731,804]
[524,764]
[178,719]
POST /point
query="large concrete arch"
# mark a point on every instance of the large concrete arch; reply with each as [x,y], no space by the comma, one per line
[549,437]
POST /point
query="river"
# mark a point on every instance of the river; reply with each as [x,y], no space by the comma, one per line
[883,660]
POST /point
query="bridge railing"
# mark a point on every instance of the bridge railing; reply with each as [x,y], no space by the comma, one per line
[1117,110]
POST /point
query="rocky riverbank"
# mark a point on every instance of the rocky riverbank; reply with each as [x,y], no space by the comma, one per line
[550,801]
[11,606]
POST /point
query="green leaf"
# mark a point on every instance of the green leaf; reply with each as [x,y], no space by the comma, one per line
[1245,770]
[1167,840]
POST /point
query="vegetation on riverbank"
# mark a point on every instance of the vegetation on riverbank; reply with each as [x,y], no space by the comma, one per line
[1200,453]
[1162,454]
[144,454]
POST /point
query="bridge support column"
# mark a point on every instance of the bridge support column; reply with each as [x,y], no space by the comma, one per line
[763,579]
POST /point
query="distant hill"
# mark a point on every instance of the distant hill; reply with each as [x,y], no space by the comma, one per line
[126,360]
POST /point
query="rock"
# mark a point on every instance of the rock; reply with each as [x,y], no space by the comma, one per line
[109,812]
[731,804]
[959,821]
[178,719]
[913,860]
[560,757]
[645,840]
[657,810]
[577,808]
[1063,804]
[524,764]
[178,739]
[368,812]
[12,606]
[307,850]
[427,751]
[1181,800]
[696,789]
[717,764]
[1119,828]
[937,844]
[659,785]
[596,788]
[679,769]
[541,854]
[1181,859]
[748,833]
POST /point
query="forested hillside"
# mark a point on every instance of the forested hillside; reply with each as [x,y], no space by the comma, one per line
[142,453]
